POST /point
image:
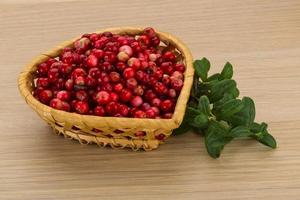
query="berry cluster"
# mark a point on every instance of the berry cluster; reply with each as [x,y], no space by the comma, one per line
[112,75]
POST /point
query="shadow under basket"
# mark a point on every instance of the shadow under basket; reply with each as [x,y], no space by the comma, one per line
[117,132]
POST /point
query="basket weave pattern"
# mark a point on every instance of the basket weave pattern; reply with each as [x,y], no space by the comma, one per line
[117,132]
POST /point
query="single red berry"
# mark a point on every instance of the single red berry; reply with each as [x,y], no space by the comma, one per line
[177,75]
[102,97]
[126,49]
[153,57]
[158,74]
[149,95]
[172,93]
[120,66]
[167,67]
[144,41]
[78,72]
[81,107]
[81,95]
[134,63]
[69,84]
[114,77]
[63,95]
[123,110]
[53,75]
[150,113]
[155,41]
[99,111]
[179,67]
[65,106]
[169,56]
[144,65]
[177,84]
[112,108]
[94,72]
[125,95]
[82,44]
[160,137]
[98,53]
[166,80]
[50,61]
[80,81]
[167,115]
[136,101]
[156,110]
[128,73]
[104,78]
[112,47]
[166,105]
[106,66]
[56,103]
[42,82]
[156,102]
[139,114]
[68,57]
[131,83]
[160,88]
[114,97]
[139,75]
[66,68]
[139,91]
[122,40]
[92,61]
[118,87]
[145,106]
[149,32]
[110,57]
[43,69]
[90,81]
[94,36]
[122,56]
[45,96]
[136,46]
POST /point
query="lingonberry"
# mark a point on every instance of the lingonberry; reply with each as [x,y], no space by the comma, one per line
[106,66]
[93,37]
[114,77]
[138,90]
[56,103]
[150,113]
[92,61]
[136,46]
[112,108]
[66,68]
[166,80]
[134,63]
[102,97]
[166,105]
[99,111]
[63,95]
[169,56]
[68,57]
[145,106]
[122,56]
[107,87]
[144,65]
[69,84]
[82,44]
[136,101]
[139,114]
[65,106]
[158,74]
[125,95]
[80,81]
[179,67]
[120,66]
[118,87]
[53,75]
[81,107]
[149,32]
[155,41]
[177,84]
[122,40]
[110,57]
[156,110]
[128,73]
[149,95]
[160,88]
[123,110]
[45,96]
[114,97]
[167,115]
[112,46]
[90,81]
[131,83]
[167,67]
[156,102]
[144,41]
[177,75]
[78,72]
[126,49]
[98,53]
[172,93]
[139,75]
[81,95]
[43,69]
[153,57]
[99,44]
[42,82]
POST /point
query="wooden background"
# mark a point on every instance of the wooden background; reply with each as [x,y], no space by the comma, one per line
[260,37]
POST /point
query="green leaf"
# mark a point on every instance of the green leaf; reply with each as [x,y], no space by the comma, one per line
[240,131]
[201,68]
[266,139]
[220,88]
[214,77]
[195,88]
[216,137]
[200,121]
[229,108]
[227,71]
[246,115]
[204,105]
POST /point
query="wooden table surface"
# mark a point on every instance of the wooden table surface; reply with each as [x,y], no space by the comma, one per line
[260,37]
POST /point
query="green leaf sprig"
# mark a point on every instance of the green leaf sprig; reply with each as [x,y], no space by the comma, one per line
[215,111]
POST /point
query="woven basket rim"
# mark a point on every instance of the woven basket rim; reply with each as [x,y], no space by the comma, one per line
[25,77]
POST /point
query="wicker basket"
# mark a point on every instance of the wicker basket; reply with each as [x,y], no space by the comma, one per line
[114,131]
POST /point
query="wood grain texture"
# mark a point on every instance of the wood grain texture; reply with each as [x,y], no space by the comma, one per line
[260,38]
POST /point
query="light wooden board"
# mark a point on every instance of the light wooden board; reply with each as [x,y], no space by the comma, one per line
[260,37]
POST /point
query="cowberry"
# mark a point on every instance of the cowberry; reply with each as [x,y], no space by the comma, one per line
[128,73]
[63,95]
[125,95]
[99,111]
[56,103]
[45,96]
[102,97]
[81,107]
[166,105]
[136,101]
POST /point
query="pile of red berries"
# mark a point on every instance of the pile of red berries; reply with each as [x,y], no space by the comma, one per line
[112,75]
